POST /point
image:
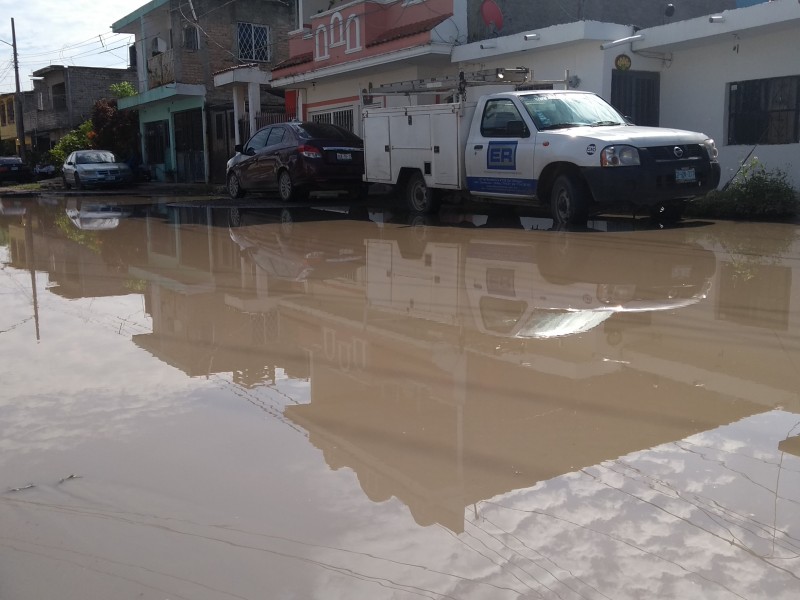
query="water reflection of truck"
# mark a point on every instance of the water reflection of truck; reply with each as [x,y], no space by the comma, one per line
[516,286]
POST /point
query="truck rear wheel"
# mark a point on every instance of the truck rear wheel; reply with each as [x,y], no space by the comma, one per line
[568,201]
[419,197]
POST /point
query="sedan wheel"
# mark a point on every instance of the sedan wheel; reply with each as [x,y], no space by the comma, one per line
[234,186]
[66,183]
[286,188]
[78,184]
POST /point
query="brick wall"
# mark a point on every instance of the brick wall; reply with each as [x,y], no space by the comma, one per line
[217,34]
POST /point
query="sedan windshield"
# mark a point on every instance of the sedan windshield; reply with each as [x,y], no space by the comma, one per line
[559,111]
[91,158]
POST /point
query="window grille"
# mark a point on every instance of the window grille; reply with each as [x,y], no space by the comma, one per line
[254,42]
[764,111]
[343,118]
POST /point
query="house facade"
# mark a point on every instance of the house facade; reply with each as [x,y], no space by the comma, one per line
[187,125]
[63,98]
[8,121]
[726,68]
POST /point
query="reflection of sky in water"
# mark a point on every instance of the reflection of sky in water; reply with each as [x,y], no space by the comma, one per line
[712,516]
[716,515]
[84,376]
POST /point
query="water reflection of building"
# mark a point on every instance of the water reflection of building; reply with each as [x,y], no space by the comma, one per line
[198,291]
[79,264]
[425,402]
[450,365]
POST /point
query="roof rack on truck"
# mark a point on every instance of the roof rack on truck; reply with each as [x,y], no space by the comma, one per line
[519,77]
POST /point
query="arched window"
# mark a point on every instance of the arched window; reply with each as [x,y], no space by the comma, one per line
[321,43]
[353,34]
[337,29]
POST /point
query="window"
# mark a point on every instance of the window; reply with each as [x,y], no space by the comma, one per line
[275,136]
[191,41]
[497,116]
[254,42]
[59,92]
[764,111]
[258,141]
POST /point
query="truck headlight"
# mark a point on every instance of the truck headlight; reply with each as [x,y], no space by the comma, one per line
[619,156]
[711,148]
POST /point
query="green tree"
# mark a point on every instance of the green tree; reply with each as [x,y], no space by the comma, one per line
[77,139]
[123,89]
[115,129]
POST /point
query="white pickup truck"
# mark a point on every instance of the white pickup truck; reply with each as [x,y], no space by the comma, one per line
[566,149]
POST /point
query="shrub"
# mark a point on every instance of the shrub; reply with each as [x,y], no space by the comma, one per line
[77,139]
[754,193]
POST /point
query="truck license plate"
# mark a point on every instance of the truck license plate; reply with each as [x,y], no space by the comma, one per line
[684,175]
[344,156]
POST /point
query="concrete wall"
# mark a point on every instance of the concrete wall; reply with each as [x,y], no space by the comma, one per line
[694,91]
[83,86]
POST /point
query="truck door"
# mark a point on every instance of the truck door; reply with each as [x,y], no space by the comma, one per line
[499,153]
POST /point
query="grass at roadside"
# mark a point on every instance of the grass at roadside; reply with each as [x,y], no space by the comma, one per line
[755,194]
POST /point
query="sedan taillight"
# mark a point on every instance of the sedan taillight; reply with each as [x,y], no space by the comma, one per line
[310,151]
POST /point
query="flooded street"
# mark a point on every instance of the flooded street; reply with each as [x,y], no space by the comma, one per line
[207,400]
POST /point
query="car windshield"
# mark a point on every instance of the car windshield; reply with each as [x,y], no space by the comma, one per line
[559,111]
[91,158]
[325,131]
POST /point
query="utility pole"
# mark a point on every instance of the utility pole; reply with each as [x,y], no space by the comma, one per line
[18,96]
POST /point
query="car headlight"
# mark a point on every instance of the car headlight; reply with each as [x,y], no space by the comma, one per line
[711,148]
[619,156]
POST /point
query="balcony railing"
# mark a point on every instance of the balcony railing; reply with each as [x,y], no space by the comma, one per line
[161,69]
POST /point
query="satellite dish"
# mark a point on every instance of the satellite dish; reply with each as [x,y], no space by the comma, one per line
[492,15]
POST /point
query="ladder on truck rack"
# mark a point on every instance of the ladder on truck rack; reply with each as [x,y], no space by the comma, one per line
[519,77]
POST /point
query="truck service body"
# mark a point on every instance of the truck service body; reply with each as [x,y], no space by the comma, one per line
[565,149]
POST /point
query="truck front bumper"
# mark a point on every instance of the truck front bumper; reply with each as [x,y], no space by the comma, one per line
[651,183]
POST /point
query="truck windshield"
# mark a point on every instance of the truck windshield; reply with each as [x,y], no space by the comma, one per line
[558,111]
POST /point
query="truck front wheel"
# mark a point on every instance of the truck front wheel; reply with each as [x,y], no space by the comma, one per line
[568,201]
[419,197]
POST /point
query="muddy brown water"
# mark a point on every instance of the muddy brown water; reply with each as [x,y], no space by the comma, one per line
[208,402]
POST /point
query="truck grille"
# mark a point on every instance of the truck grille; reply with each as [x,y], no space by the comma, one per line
[667,153]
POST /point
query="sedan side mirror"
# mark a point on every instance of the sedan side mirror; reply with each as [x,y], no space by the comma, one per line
[238,148]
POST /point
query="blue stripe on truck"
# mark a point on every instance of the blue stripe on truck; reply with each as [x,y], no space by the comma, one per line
[502,185]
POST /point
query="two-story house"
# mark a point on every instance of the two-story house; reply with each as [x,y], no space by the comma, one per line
[186,124]
[9,140]
[8,123]
[63,98]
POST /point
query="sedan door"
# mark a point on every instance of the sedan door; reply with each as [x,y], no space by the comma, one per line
[247,167]
[68,169]
[271,158]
